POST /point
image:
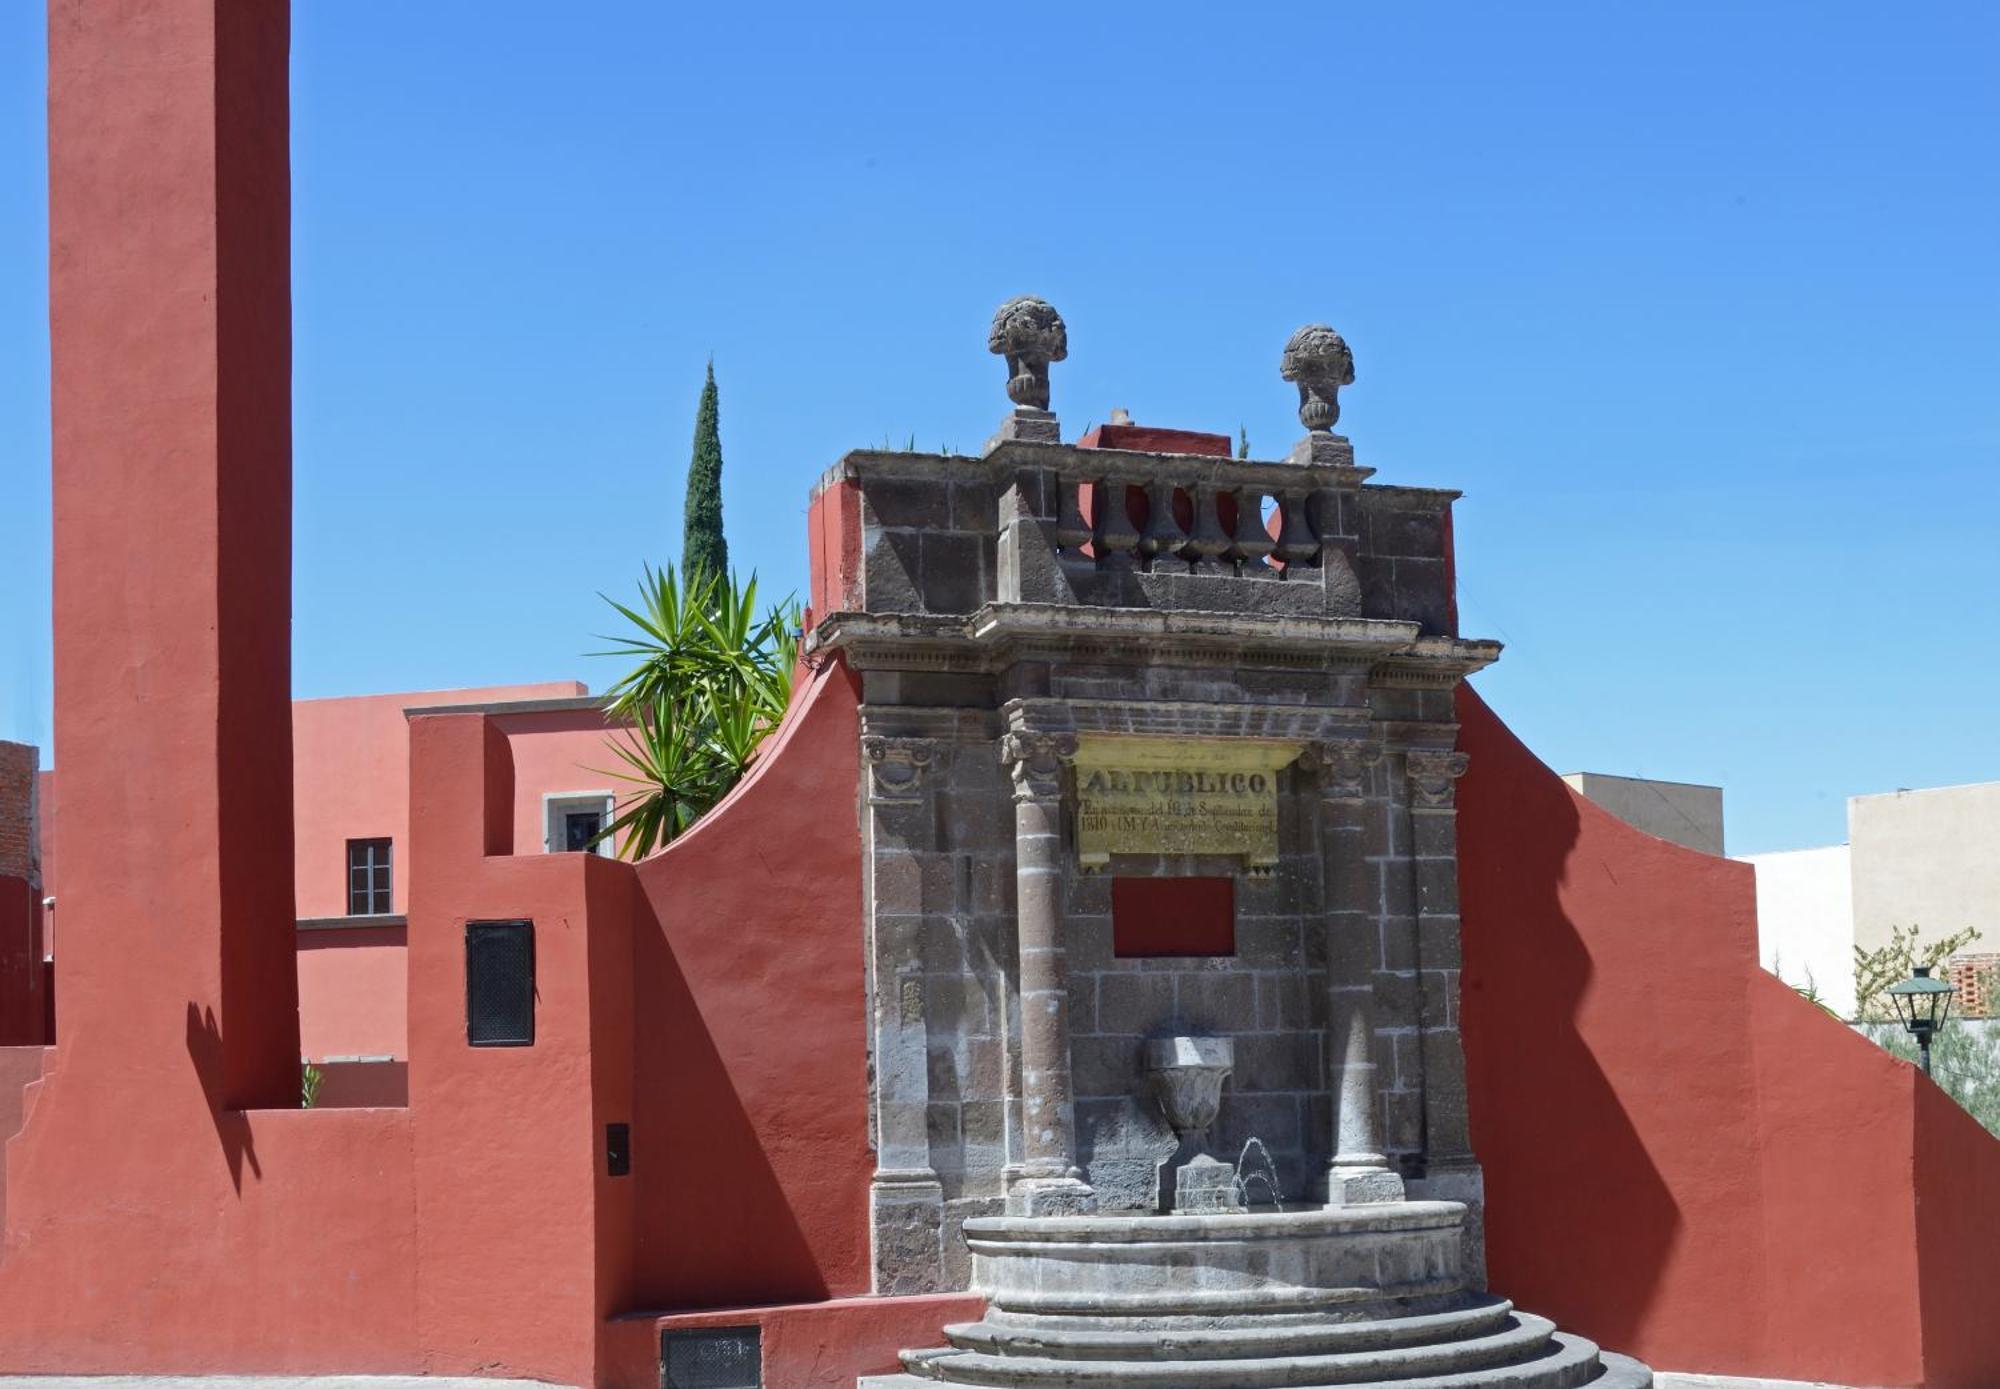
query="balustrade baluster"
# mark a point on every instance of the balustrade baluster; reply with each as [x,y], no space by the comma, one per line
[1206,539]
[1117,538]
[1072,531]
[1295,546]
[1162,537]
[1252,542]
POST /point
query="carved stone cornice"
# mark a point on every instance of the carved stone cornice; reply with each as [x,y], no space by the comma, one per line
[1340,767]
[897,766]
[1433,773]
[1035,761]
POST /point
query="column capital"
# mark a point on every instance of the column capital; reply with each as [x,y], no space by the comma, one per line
[897,766]
[1433,773]
[1339,767]
[1035,760]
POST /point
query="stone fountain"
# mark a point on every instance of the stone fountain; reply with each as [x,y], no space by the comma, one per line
[1187,1074]
[1162,858]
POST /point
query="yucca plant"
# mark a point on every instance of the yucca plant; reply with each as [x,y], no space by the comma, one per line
[712,679]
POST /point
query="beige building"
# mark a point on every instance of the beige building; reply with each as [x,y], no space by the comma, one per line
[1677,811]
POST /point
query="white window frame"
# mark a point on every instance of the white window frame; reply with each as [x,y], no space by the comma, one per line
[557,804]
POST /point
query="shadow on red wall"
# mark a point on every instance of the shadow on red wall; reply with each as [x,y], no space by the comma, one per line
[751,1034]
[1683,1158]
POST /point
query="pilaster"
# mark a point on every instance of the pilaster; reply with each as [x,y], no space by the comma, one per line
[905,1198]
[1357,1171]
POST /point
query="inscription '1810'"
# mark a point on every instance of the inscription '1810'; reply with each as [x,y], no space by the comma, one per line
[1138,795]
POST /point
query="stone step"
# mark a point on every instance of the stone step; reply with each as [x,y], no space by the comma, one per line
[1091,1342]
[1520,1340]
[1570,1364]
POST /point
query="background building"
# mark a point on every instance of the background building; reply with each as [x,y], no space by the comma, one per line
[351,853]
[1679,812]
[1928,859]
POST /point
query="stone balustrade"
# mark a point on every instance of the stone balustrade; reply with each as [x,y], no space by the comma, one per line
[1037,522]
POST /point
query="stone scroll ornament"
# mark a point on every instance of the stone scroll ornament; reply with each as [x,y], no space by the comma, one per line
[1030,334]
[1340,767]
[1433,772]
[1036,762]
[1317,359]
[897,765]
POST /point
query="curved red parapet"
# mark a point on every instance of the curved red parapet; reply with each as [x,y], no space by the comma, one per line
[750,1043]
[1683,1158]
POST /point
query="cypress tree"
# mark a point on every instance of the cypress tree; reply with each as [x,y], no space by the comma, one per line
[704,551]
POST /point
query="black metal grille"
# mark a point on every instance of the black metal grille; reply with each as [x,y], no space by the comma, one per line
[500,983]
[720,1357]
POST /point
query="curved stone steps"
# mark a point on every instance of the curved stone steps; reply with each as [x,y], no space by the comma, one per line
[1523,1343]
[1091,1342]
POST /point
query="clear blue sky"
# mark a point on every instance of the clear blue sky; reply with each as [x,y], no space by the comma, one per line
[1699,304]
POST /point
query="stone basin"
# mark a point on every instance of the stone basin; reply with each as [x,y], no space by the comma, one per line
[1303,1298]
[1239,1267]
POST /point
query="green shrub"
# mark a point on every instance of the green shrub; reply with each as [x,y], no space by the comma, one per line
[712,679]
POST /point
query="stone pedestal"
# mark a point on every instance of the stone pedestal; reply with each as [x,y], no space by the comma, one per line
[1025,422]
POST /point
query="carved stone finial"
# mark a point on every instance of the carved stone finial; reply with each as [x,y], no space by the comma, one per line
[1030,334]
[1035,760]
[1432,774]
[1318,360]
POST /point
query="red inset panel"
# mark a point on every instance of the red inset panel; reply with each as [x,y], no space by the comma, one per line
[1173,916]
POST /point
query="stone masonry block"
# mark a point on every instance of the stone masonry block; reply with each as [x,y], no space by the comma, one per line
[1395,997]
[907,503]
[1403,1121]
[972,506]
[1222,1004]
[1268,942]
[1133,1003]
[1284,1061]
[953,572]
[1398,939]
[890,568]
[1104,1067]
[1438,941]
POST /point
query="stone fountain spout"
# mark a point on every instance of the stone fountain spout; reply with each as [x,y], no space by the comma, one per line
[1186,1076]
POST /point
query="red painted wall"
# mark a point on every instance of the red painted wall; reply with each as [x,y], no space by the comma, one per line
[522,1237]
[752,1067]
[353,781]
[354,993]
[814,1345]
[1684,1159]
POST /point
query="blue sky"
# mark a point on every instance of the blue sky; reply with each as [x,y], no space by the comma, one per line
[1700,305]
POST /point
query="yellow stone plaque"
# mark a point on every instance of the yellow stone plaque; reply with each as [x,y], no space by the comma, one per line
[1144,795]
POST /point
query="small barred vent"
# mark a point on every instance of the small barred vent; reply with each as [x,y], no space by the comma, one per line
[500,983]
[722,1357]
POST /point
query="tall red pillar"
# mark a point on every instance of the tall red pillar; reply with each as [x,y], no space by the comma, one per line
[170,320]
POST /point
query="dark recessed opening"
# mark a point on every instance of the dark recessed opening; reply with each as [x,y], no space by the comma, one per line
[500,983]
[1152,917]
[712,1357]
[618,1150]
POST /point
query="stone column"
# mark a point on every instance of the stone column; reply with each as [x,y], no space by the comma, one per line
[1050,1181]
[905,1198]
[1433,773]
[1357,1172]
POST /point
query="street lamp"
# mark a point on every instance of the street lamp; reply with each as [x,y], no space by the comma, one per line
[1923,1003]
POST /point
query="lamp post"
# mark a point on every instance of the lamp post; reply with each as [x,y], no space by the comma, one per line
[1923,1003]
